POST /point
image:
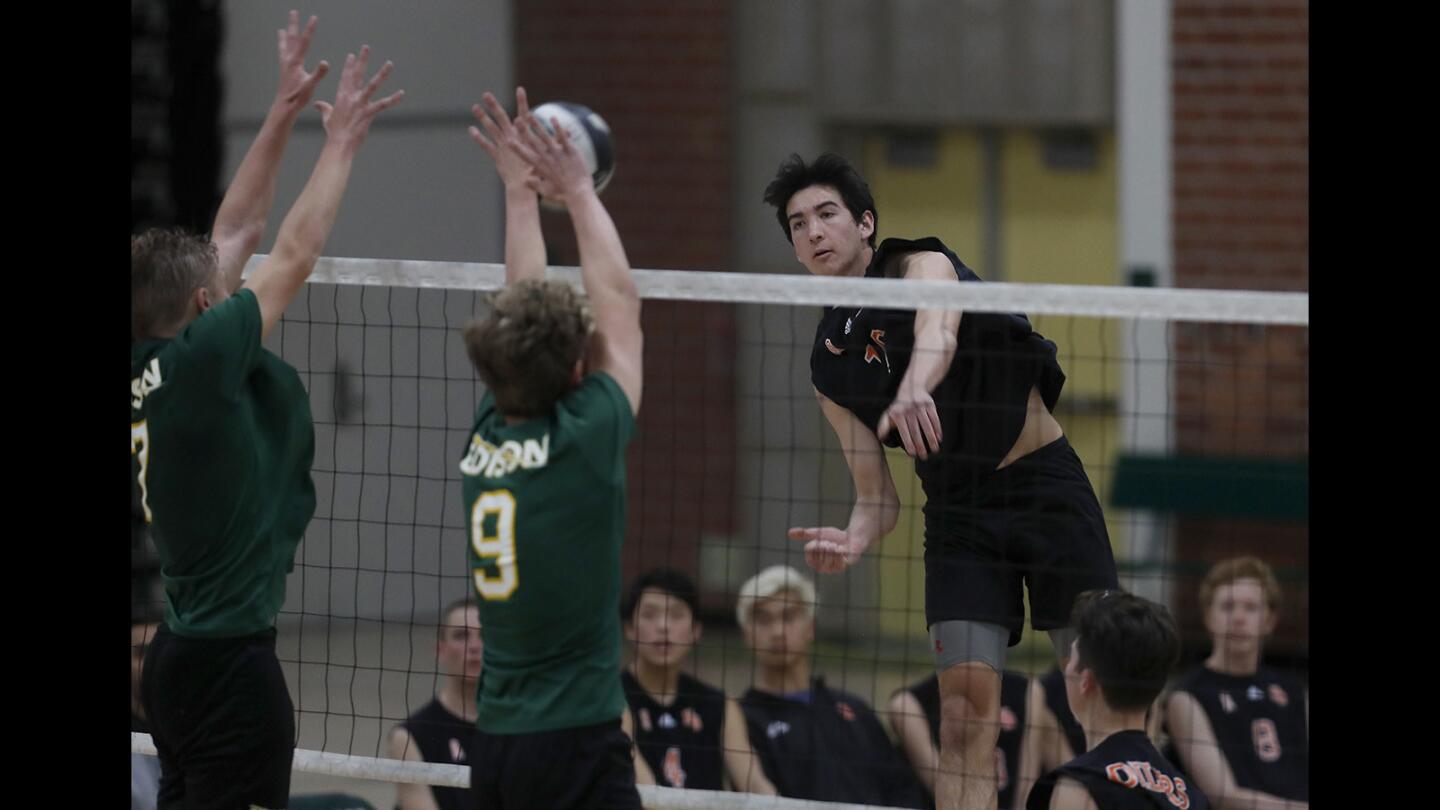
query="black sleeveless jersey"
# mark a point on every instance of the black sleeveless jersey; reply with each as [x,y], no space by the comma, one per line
[1053,682]
[1259,721]
[861,354]
[443,737]
[1124,772]
[1012,726]
[681,742]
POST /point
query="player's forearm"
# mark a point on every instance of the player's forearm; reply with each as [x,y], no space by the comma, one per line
[524,244]
[240,222]
[935,341]
[603,265]
[1238,798]
[307,227]
[872,518]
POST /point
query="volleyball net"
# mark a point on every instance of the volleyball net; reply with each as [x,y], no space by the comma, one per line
[1188,407]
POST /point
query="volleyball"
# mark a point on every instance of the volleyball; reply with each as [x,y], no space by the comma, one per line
[588,132]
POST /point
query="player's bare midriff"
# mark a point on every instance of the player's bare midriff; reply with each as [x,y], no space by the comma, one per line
[1039,430]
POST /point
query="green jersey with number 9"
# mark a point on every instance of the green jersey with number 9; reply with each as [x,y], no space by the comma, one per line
[221,442]
[545,510]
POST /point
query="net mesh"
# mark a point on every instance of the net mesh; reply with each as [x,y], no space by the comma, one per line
[721,466]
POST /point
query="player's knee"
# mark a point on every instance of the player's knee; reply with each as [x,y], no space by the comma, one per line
[970,715]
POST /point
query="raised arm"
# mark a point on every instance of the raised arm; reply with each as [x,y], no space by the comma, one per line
[615,302]
[240,222]
[877,508]
[524,244]
[305,229]
[747,775]
[913,412]
[1194,738]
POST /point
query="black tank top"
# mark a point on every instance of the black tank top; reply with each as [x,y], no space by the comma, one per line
[1124,772]
[1053,682]
[1012,726]
[1259,721]
[443,737]
[860,355]
[681,742]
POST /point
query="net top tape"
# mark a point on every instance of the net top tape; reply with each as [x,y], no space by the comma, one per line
[1142,303]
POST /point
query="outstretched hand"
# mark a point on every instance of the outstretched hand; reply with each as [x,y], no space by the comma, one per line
[827,549]
[560,170]
[347,121]
[913,414]
[296,85]
[503,142]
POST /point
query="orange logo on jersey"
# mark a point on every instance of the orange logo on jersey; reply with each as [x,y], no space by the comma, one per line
[845,711]
[645,719]
[1007,719]
[1141,774]
[1227,703]
[691,720]
[674,774]
[877,336]
[1277,694]
[457,754]
[833,348]
[1002,774]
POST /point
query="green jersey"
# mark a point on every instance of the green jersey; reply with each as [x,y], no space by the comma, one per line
[545,507]
[221,443]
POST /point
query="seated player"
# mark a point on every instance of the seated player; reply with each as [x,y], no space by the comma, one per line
[1240,730]
[1123,650]
[689,734]
[813,741]
[915,718]
[442,730]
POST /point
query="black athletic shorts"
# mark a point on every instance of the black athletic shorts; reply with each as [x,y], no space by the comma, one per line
[222,721]
[1037,523]
[585,767]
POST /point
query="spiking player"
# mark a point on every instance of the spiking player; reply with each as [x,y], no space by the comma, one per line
[1007,501]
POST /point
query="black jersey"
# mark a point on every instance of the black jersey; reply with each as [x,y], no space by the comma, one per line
[1259,722]
[682,741]
[861,354]
[1013,688]
[1053,683]
[443,737]
[1124,772]
[829,748]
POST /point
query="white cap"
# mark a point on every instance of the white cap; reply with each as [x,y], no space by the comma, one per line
[769,582]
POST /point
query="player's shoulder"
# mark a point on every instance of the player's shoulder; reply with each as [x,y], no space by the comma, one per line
[698,689]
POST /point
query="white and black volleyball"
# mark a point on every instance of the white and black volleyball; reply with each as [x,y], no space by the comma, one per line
[588,132]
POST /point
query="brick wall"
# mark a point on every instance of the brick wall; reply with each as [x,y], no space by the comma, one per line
[1241,221]
[659,73]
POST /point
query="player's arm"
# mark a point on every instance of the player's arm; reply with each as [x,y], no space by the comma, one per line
[643,774]
[524,244]
[746,773]
[305,229]
[877,508]
[240,222]
[1041,746]
[618,345]
[913,412]
[1071,795]
[1195,740]
[409,797]
[912,729]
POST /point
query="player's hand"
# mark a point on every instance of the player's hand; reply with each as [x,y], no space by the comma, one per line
[296,85]
[348,121]
[502,141]
[560,171]
[829,550]
[913,414]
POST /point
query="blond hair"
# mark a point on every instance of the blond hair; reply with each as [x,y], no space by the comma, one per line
[526,349]
[1247,567]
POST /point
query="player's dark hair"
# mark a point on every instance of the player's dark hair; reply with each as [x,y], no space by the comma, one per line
[445,621]
[1129,643]
[167,265]
[830,169]
[526,348]
[669,581]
